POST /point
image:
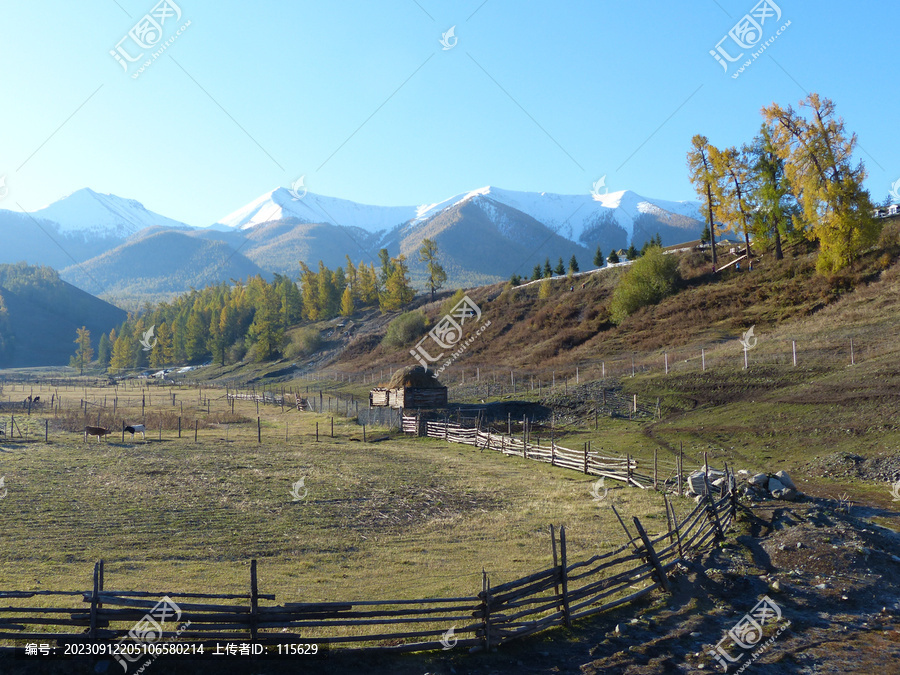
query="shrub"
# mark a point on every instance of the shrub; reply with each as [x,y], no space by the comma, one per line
[304,342]
[404,329]
[236,352]
[651,278]
[452,301]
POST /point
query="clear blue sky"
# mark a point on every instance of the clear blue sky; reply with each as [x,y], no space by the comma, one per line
[361,98]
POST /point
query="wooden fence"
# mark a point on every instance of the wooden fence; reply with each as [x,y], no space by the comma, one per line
[625,469]
[558,595]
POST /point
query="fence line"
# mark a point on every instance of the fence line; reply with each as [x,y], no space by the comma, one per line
[586,461]
[498,614]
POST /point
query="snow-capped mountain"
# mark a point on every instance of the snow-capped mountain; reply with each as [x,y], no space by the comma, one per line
[93,215]
[574,217]
[281,204]
[484,236]
[571,216]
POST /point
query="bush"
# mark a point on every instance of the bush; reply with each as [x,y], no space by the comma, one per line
[236,352]
[304,342]
[404,329]
[651,278]
[452,301]
[546,288]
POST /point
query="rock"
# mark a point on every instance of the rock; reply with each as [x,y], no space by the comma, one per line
[759,480]
[821,587]
[785,479]
[775,484]
[698,498]
[743,472]
[800,544]
[787,494]
[697,480]
[775,586]
[696,634]
[718,482]
[620,629]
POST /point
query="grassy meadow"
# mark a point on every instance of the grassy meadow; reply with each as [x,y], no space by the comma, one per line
[391,517]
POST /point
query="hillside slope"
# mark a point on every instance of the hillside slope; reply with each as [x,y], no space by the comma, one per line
[42,314]
[568,328]
[159,266]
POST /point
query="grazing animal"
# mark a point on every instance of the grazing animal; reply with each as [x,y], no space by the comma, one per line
[135,428]
[99,432]
[37,399]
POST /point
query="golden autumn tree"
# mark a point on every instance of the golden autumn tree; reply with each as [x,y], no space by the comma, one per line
[703,178]
[818,162]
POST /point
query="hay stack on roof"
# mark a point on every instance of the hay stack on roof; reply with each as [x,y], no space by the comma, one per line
[416,377]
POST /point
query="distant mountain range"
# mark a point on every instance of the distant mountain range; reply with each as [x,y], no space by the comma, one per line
[118,249]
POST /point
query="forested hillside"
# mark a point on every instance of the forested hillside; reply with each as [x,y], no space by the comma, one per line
[39,314]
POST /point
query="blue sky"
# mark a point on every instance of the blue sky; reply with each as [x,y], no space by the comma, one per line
[361,98]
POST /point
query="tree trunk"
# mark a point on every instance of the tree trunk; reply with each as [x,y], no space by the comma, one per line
[779,255]
[712,227]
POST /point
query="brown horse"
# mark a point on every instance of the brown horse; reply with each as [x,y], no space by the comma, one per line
[99,432]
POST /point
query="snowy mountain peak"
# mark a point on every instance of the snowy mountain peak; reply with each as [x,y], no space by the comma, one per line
[308,207]
[101,215]
[571,216]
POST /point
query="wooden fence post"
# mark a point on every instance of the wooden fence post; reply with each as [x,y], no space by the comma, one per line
[555,558]
[254,601]
[668,519]
[651,554]
[563,572]
[713,514]
[486,610]
[677,531]
[95,600]
[655,451]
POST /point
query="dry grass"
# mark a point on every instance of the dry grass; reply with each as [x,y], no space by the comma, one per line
[400,518]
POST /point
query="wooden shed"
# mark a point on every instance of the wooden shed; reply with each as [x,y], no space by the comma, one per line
[410,388]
